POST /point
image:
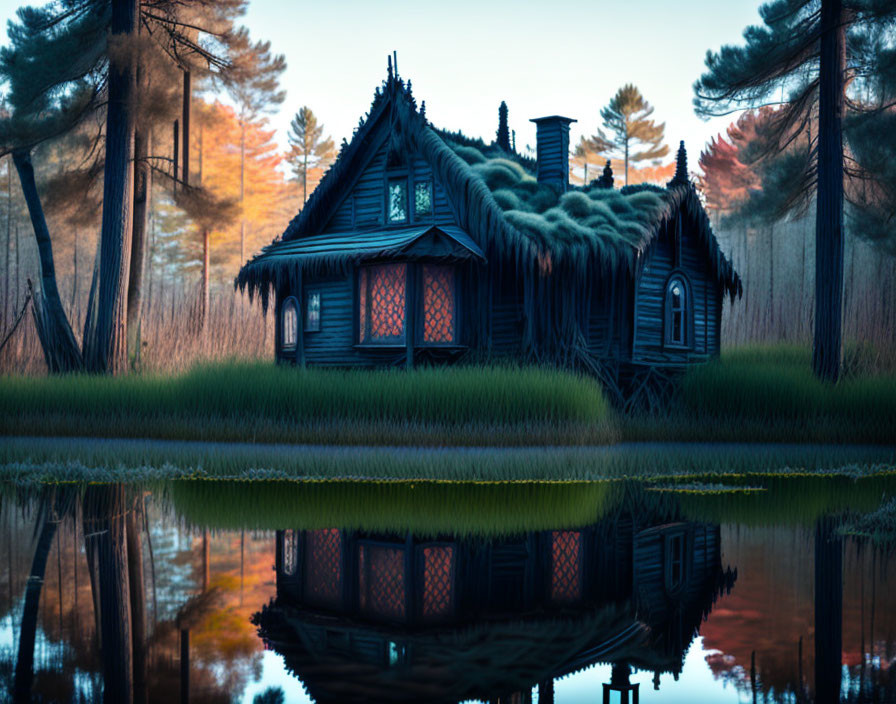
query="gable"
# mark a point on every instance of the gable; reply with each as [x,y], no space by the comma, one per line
[362,199]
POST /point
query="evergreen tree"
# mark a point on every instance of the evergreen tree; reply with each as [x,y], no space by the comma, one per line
[627,124]
[503,129]
[254,84]
[65,63]
[802,48]
[311,152]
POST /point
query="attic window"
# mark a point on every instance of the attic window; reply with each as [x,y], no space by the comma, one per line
[422,199]
[397,205]
[381,304]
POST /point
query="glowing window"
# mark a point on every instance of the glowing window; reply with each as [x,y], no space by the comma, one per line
[438,304]
[422,199]
[566,565]
[398,200]
[312,312]
[381,299]
[438,581]
[381,581]
[323,567]
[289,318]
[677,312]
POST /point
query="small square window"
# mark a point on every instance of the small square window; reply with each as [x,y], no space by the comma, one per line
[422,199]
[398,200]
[312,312]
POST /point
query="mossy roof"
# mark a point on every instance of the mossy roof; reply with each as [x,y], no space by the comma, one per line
[499,202]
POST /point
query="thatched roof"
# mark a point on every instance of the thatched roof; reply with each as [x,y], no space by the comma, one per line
[580,237]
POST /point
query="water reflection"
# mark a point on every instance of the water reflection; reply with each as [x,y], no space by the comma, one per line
[110,594]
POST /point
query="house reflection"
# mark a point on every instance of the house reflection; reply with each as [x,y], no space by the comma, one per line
[363,616]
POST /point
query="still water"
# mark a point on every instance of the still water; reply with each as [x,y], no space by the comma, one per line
[282,592]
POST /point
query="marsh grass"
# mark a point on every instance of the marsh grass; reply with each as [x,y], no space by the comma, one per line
[768,394]
[262,402]
[425,509]
[30,460]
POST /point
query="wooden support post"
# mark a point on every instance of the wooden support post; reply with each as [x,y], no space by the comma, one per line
[300,321]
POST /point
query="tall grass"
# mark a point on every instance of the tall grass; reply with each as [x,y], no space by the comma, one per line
[769,394]
[261,401]
[29,460]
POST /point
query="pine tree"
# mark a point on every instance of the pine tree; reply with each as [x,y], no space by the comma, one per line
[627,124]
[311,152]
[503,133]
[802,48]
[254,84]
[90,55]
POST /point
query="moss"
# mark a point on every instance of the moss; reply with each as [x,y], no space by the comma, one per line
[470,155]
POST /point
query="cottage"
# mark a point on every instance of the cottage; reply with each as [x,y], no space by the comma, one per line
[423,245]
[370,617]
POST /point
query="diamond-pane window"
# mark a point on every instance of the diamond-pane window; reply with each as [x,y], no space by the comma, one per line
[323,567]
[566,565]
[382,582]
[438,570]
[382,303]
[438,304]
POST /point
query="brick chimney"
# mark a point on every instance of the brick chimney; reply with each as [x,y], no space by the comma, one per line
[552,151]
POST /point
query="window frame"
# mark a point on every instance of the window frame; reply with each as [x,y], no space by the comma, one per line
[393,343]
[420,315]
[423,217]
[289,302]
[397,177]
[682,537]
[308,295]
[687,311]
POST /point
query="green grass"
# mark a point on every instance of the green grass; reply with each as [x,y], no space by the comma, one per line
[262,402]
[755,394]
[768,394]
[37,460]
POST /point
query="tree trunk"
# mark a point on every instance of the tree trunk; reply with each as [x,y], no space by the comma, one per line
[828,611]
[187,99]
[105,525]
[204,303]
[56,337]
[6,315]
[242,191]
[142,195]
[106,346]
[137,603]
[28,633]
[826,351]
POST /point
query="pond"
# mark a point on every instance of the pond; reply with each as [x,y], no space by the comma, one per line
[766,588]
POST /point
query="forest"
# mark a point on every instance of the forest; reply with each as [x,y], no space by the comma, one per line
[136,273]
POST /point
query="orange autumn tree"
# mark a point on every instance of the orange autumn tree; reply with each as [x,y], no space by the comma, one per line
[268,200]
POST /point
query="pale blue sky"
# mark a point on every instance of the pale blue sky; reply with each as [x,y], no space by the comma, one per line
[465,56]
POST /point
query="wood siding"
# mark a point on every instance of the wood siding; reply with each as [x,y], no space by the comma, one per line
[648,344]
[363,206]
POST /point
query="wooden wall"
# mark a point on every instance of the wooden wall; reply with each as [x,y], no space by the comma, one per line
[364,205]
[648,344]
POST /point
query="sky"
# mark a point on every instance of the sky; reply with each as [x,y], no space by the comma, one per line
[464,57]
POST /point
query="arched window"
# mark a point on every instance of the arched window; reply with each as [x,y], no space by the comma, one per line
[677,312]
[289,319]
